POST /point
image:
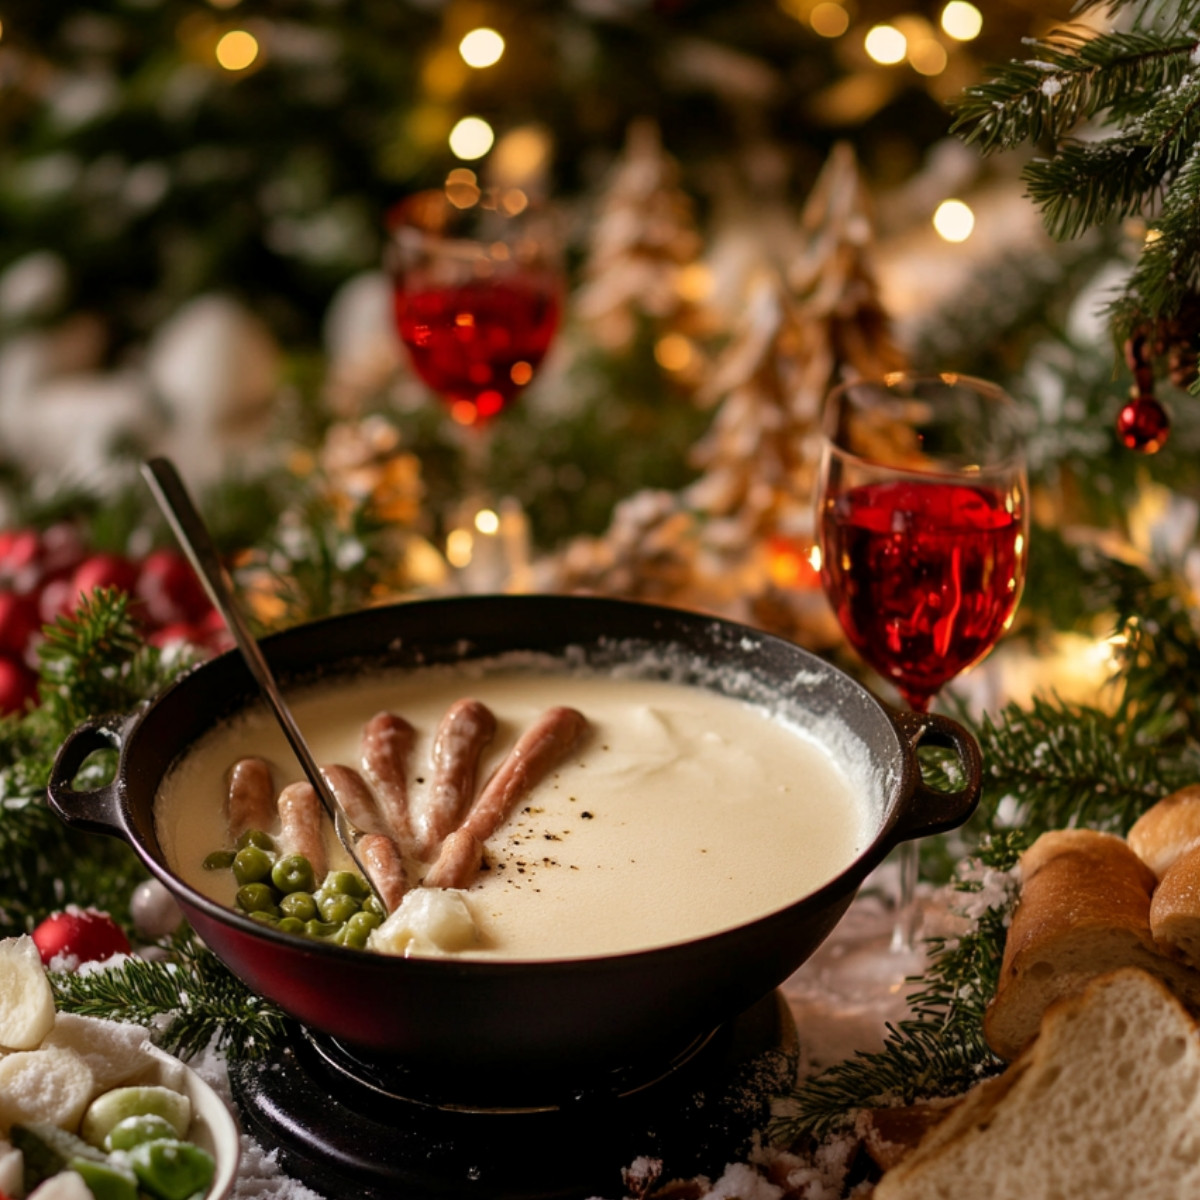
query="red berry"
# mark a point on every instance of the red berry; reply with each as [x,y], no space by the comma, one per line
[18,685]
[102,571]
[20,558]
[63,550]
[55,599]
[19,621]
[86,935]
[168,587]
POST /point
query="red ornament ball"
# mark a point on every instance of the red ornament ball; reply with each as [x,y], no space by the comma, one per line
[82,934]
[1143,425]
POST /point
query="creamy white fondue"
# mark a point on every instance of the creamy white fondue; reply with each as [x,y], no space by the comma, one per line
[682,813]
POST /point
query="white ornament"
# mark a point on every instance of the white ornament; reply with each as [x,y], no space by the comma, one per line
[154,911]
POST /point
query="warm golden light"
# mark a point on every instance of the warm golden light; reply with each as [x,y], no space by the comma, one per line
[954,220]
[886,45]
[471,138]
[673,352]
[962,21]
[460,547]
[520,373]
[1,29]
[829,20]
[237,50]
[481,48]
[694,283]
[462,412]
[928,57]
[487,522]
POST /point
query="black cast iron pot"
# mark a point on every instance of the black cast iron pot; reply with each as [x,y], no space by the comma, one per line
[478,1020]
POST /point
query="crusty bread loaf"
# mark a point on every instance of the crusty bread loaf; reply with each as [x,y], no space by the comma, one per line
[1168,829]
[1104,1105]
[1175,909]
[1084,909]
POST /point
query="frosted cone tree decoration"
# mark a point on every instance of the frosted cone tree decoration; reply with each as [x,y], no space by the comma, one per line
[643,257]
[820,320]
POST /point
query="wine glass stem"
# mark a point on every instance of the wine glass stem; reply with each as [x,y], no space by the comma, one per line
[908,911]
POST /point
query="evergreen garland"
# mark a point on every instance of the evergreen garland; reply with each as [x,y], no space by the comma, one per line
[1140,84]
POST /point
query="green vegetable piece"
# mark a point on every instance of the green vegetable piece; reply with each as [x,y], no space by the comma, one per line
[110,1108]
[299,904]
[345,883]
[265,917]
[337,907]
[290,925]
[133,1131]
[293,873]
[358,928]
[171,1169]
[373,904]
[320,929]
[106,1180]
[258,897]
[219,860]
[252,864]
[46,1150]
[255,837]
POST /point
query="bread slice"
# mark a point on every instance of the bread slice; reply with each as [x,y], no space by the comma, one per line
[1167,830]
[1104,1105]
[1084,910]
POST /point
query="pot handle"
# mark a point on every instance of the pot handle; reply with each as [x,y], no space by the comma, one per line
[930,810]
[94,810]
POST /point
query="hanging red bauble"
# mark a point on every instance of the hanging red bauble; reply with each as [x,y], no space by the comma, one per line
[82,934]
[1143,425]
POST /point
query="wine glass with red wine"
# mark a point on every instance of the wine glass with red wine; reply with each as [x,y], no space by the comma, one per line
[923,526]
[478,289]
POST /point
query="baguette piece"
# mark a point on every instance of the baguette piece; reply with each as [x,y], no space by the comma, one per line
[1104,1105]
[1167,830]
[1175,909]
[1084,910]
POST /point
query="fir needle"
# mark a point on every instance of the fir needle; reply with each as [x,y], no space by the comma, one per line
[194,538]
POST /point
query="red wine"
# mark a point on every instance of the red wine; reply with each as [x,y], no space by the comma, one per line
[923,576]
[476,345]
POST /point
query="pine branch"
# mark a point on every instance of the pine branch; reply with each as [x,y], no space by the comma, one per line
[1069,78]
[939,1051]
[190,999]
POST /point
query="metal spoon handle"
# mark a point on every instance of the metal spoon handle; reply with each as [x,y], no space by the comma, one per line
[193,536]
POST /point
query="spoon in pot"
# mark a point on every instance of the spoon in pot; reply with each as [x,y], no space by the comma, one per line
[193,536]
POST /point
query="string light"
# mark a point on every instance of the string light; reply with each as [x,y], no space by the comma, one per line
[481,48]
[460,547]
[471,138]
[673,352]
[236,50]
[487,522]
[828,19]
[886,45]
[962,21]
[954,220]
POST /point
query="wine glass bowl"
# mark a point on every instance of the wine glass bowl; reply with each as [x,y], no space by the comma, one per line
[477,288]
[923,523]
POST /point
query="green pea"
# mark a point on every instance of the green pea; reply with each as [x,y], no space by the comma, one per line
[290,925]
[255,837]
[252,864]
[337,907]
[372,904]
[345,883]
[265,916]
[358,928]
[257,897]
[172,1170]
[219,860]
[320,929]
[293,873]
[133,1131]
[299,904]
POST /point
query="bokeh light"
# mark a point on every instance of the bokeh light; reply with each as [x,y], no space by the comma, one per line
[236,50]
[961,20]
[471,138]
[481,48]
[954,220]
[886,45]
[828,19]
